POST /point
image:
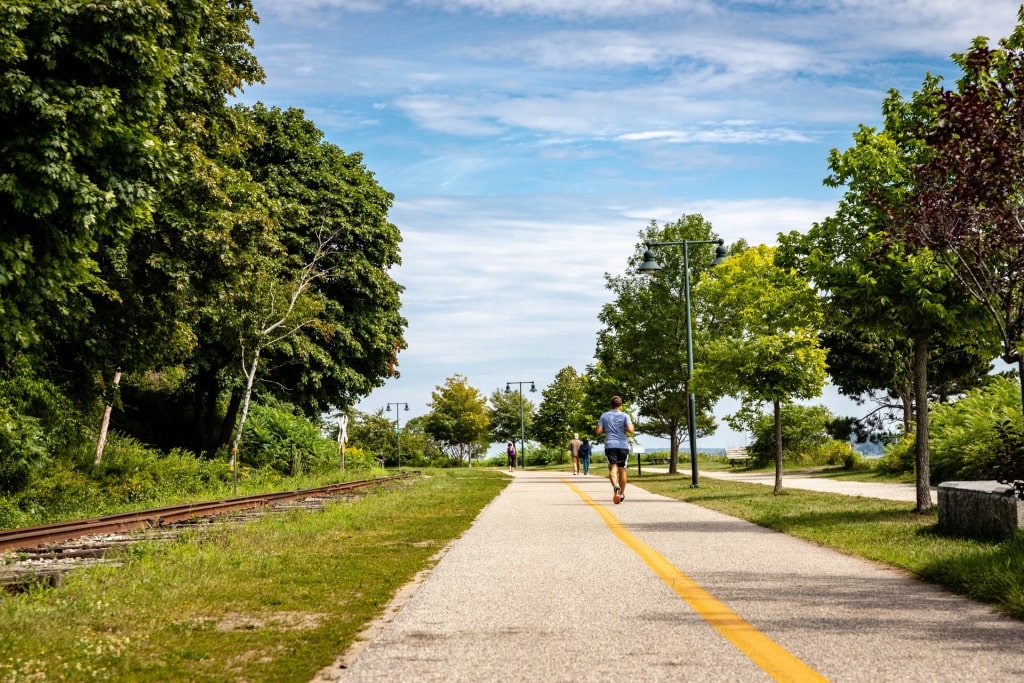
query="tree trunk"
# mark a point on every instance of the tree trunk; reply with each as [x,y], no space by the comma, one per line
[673,452]
[250,379]
[1020,373]
[924,493]
[342,438]
[101,443]
[227,426]
[908,413]
[777,405]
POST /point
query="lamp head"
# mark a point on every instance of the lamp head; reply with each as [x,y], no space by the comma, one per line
[533,388]
[720,253]
[650,264]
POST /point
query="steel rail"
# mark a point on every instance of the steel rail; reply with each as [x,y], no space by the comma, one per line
[35,536]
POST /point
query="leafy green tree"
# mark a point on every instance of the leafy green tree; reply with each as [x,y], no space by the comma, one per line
[509,418]
[83,87]
[642,346]
[313,189]
[458,419]
[562,411]
[375,434]
[417,446]
[320,189]
[766,346]
[372,432]
[881,291]
[598,388]
[108,110]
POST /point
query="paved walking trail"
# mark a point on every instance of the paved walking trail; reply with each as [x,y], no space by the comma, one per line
[907,492]
[555,583]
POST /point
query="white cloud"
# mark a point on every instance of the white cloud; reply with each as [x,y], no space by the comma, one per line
[574,8]
[528,142]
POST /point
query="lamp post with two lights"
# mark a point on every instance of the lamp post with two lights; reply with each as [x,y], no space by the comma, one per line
[398,428]
[651,265]
[522,418]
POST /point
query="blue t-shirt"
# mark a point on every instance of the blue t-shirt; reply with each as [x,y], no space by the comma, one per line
[614,423]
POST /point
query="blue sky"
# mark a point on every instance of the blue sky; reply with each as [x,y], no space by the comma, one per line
[528,142]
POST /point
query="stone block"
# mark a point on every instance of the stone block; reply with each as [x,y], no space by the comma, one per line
[979,509]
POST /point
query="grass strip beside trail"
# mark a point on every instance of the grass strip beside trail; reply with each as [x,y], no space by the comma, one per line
[276,599]
[882,530]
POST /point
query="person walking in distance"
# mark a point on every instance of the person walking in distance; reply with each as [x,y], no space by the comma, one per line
[616,425]
[585,456]
[574,451]
[511,450]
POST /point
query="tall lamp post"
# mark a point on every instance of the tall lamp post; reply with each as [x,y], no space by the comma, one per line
[651,265]
[522,419]
[398,428]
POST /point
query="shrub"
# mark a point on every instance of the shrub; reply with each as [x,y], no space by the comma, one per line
[804,430]
[275,436]
[62,493]
[539,456]
[358,460]
[899,456]
[11,516]
[36,422]
[834,452]
[969,438]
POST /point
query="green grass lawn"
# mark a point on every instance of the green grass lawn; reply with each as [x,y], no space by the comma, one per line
[275,599]
[885,531]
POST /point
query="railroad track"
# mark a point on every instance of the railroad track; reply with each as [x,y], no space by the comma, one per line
[45,552]
[30,537]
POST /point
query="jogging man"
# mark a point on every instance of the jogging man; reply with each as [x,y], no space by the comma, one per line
[615,425]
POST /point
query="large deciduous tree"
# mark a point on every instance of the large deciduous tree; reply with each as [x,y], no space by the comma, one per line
[511,415]
[319,188]
[82,88]
[458,419]
[765,347]
[107,111]
[312,188]
[642,346]
[562,410]
[881,291]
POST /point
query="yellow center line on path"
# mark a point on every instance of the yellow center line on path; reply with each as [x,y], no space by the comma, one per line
[774,659]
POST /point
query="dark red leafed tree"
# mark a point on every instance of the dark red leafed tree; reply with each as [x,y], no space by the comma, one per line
[969,203]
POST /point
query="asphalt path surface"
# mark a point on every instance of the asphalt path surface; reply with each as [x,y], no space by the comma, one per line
[553,582]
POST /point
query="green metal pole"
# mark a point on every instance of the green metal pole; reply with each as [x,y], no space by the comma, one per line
[522,426]
[691,412]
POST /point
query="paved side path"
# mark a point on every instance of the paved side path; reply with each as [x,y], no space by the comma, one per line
[554,583]
[907,492]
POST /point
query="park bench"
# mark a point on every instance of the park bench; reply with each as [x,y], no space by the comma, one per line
[735,455]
